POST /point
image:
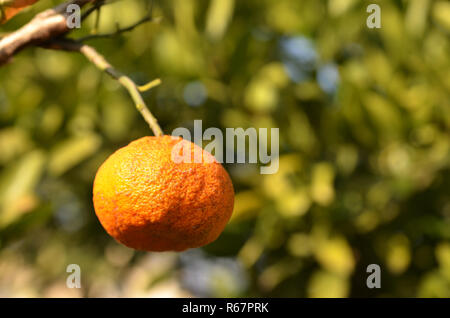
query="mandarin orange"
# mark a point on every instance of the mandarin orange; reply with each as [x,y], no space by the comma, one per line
[146,200]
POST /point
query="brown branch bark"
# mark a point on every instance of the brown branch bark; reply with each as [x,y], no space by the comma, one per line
[102,64]
[49,24]
[47,30]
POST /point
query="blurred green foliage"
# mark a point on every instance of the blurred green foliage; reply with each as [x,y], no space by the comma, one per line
[364,118]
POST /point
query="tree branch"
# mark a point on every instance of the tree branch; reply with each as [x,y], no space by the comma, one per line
[100,62]
[145,19]
[47,30]
[45,26]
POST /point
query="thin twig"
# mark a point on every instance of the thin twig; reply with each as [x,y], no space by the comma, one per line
[98,4]
[100,62]
[149,85]
[49,28]
[97,20]
[145,19]
[47,25]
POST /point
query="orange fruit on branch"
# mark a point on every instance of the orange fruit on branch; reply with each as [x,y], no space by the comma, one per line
[9,8]
[148,201]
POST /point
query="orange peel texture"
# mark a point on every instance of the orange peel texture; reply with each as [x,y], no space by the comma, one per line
[147,201]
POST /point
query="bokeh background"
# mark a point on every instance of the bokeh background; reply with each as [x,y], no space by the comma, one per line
[364,118]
